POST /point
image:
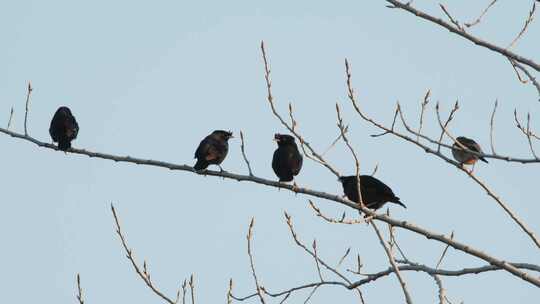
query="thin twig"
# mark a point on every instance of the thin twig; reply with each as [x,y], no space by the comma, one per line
[184,291]
[27,107]
[529,135]
[10,118]
[448,120]
[79,290]
[423,105]
[533,80]
[454,21]
[351,149]
[393,120]
[143,274]
[528,21]
[492,126]
[335,141]
[244,153]
[477,20]
[393,263]
[436,278]
[270,99]
[311,293]
[444,252]
[192,289]
[316,258]
[342,220]
[344,256]
[252,264]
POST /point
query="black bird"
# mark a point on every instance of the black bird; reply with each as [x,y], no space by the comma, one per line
[287,161]
[374,192]
[212,150]
[463,156]
[64,128]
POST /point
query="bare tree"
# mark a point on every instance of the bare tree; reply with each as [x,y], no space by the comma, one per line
[437,144]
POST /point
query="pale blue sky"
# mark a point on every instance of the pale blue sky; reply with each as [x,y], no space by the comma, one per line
[150,79]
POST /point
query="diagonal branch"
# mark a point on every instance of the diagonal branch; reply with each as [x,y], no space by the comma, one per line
[143,274]
[318,158]
[409,8]
[393,263]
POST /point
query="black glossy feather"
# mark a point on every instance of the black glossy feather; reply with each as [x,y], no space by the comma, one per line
[212,150]
[287,160]
[374,192]
[64,128]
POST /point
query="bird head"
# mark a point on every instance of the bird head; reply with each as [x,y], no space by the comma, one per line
[283,139]
[226,135]
[346,179]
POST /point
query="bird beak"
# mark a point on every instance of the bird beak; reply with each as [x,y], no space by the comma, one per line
[402,205]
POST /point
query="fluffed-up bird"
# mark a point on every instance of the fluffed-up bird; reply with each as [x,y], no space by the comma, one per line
[465,157]
[64,128]
[287,160]
[212,150]
[374,192]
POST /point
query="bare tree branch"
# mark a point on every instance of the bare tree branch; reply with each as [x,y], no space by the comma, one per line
[143,274]
[477,20]
[244,153]
[27,107]
[393,263]
[270,98]
[79,290]
[409,8]
[252,264]
[527,23]
[491,127]
[10,118]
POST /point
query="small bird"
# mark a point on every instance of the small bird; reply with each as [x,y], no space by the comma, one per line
[464,157]
[374,192]
[287,161]
[64,128]
[212,150]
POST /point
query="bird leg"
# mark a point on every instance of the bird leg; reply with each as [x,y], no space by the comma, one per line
[295,187]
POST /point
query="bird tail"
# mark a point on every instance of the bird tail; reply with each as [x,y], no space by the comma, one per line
[484,160]
[64,145]
[396,200]
[201,164]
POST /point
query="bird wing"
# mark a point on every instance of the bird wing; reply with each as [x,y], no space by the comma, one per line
[207,150]
[470,144]
[295,162]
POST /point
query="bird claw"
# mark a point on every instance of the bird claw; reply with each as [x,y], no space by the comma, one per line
[368,218]
[295,187]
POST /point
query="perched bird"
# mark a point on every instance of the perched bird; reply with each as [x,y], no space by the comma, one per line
[212,150]
[463,156]
[287,161]
[374,192]
[64,128]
